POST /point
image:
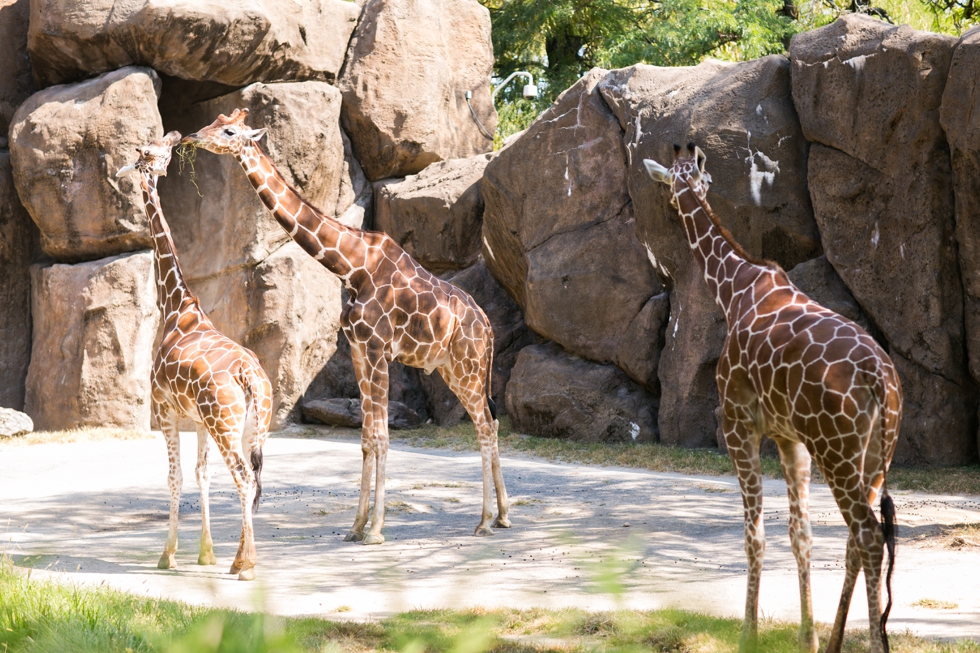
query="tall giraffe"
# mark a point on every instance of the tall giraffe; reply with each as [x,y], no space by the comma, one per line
[397,311]
[817,384]
[201,374]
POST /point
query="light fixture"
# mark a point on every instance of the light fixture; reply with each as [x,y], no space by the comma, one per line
[530,91]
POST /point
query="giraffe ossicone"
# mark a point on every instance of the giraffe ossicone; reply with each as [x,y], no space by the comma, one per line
[201,374]
[396,311]
[813,381]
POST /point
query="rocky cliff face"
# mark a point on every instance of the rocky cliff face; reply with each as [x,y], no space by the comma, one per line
[852,163]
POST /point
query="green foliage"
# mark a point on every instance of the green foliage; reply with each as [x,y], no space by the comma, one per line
[557,41]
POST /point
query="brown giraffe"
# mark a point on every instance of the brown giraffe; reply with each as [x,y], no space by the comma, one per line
[817,384]
[201,374]
[397,311]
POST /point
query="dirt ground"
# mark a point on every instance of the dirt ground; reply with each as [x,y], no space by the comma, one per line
[96,512]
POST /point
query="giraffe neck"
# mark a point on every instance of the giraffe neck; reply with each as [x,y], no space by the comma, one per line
[172,292]
[720,262]
[337,247]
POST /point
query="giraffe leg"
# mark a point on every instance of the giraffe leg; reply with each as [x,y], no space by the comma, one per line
[203,474]
[241,473]
[869,541]
[853,566]
[743,447]
[371,369]
[168,425]
[796,468]
[503,505]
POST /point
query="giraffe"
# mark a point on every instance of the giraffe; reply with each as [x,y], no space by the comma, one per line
[396,311]
[812,380]
[201,374]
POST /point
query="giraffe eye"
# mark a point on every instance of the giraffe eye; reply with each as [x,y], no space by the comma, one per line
[229,132]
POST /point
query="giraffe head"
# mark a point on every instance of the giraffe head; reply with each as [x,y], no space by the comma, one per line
[226,135]
[686,172]
[154,156]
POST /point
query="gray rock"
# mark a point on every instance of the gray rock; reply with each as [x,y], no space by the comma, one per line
[868,96]
[18,248]
[95,326]
[347,413]
[959,115]
[16,83]
[555,394]
[559,234]
[14,422]
[742,116]
[66,144]
[436,215]
[235,43]
[409,66]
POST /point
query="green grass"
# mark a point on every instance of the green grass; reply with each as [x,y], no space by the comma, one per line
[660,458]
[42,616]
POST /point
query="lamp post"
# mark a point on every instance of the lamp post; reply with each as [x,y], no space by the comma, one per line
[530,91]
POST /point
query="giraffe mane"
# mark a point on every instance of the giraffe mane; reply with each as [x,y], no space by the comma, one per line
[727,235]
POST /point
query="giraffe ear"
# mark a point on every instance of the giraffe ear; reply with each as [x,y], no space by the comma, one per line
[254,134]
[172,138]
[656,171]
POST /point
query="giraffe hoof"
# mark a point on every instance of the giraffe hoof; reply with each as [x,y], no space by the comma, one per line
[247,574]
[371,538]
[483,531]
[235,568]
[501,522]
[207,558]
[354,537]
[167,561]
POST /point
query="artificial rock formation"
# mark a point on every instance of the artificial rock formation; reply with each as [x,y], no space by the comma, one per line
[234,43]
[14,422]
[742,116]
[409,66]
[868,96]
[959,115]
[559,235]
[94,329]
[18,245]
[555,394]
[66,144]
[510,336]
[347,413]
[16,83]
[436,215]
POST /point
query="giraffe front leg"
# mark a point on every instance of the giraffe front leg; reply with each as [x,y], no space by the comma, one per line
[377,424]
[168,425]
[203,473]
[796,468]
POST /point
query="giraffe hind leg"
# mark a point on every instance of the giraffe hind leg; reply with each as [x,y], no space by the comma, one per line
[203,474]
[168,424]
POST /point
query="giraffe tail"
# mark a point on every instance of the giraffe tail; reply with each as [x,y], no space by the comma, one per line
[256,453]
[888,526]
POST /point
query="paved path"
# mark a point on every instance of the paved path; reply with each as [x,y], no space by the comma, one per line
[96,512]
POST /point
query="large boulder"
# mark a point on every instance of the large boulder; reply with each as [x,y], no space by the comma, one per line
[234,43]
[286,309]
[94,329]
[347,413]
[409,66]
[16,83]
[559,236]
[555,394]
[18,246]
[510,336]
[355,200]
[66,144]
[436,215]
[14,422]
[218,220]
[742,116]
[959,115]
[868,96]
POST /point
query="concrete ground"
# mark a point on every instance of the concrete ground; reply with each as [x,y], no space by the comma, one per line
[96,512]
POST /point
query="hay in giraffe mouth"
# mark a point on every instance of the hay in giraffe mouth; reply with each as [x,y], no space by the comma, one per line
[186,155]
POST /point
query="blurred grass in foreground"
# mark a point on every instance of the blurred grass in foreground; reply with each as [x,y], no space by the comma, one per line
[43,616]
